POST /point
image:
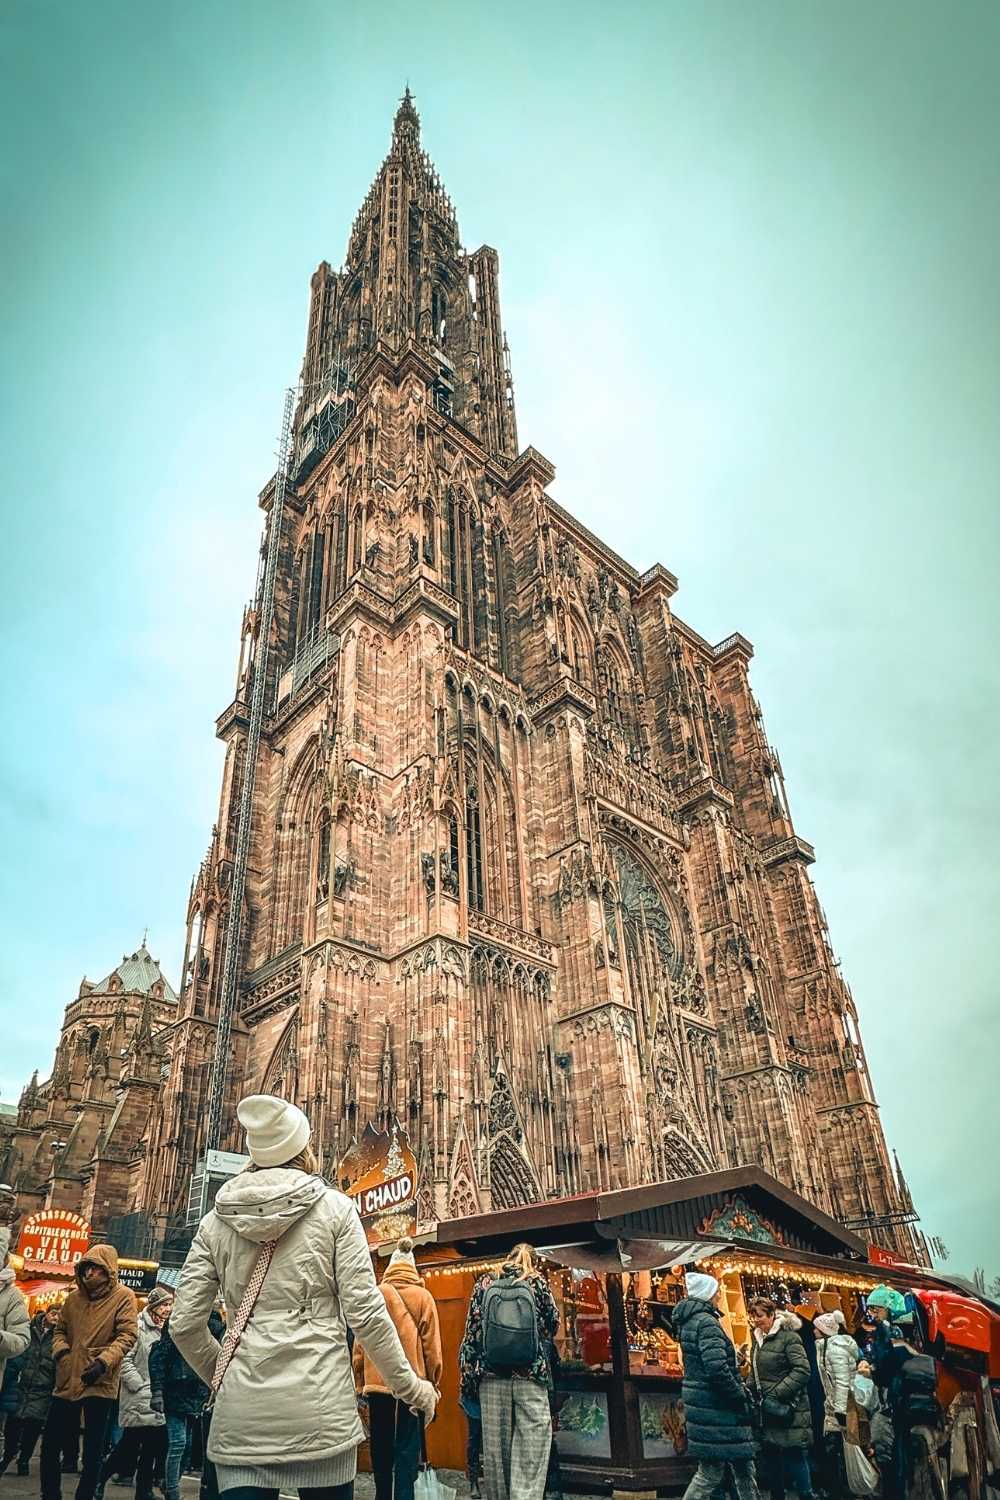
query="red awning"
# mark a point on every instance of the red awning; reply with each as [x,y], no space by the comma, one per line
[43,1288]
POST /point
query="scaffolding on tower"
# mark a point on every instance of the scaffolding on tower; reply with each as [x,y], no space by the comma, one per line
[237,889]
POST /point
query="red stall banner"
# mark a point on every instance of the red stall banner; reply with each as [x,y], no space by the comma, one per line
[53,1241]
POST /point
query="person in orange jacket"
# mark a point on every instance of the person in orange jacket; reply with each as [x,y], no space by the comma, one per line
[98,1324]
[395,1432]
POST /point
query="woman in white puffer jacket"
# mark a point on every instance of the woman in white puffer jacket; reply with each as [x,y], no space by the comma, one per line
[837,1356]
[286,1415]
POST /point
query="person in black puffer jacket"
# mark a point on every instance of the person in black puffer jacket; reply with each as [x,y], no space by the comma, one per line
[34,1395]
[781,1375]
[716,1405]
[180,1395]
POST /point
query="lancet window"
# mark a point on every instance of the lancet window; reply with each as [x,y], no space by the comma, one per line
[642,935]
[463,568]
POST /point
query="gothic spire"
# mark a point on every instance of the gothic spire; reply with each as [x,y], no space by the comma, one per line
[406,278]
[407,121]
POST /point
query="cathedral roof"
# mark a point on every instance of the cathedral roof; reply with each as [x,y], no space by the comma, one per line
[138,973]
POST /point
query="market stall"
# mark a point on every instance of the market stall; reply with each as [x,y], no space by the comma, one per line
[613,1262]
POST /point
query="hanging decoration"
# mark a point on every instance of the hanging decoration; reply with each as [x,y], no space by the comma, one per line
[736,1220]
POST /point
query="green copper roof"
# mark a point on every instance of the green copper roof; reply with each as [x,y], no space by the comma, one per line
[138,973]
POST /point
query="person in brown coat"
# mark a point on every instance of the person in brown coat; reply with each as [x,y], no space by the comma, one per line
[395,1432]
[97,1327]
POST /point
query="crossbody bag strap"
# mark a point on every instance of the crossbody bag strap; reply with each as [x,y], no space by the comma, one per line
[236,1329]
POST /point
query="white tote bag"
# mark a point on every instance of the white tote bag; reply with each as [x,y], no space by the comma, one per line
[429,1487]
[862,1475]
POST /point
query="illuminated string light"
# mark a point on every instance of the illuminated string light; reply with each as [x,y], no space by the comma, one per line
[463,1268]
[782,1274]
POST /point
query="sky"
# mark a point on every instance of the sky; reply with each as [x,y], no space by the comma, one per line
[748,275]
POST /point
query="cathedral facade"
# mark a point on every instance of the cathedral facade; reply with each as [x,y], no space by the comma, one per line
[523,873]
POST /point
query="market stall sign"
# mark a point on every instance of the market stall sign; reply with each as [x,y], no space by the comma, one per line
[138,1279]
[736,1220]
[53,1240]
[879,1257]
[379,1173]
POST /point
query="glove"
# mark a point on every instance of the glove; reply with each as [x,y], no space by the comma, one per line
[156,1403]
[93,1372]
[424,1403]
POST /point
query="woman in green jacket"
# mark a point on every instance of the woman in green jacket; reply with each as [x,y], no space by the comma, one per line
[781,1376]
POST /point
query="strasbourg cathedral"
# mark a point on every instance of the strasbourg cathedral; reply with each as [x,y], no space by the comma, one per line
[522,874]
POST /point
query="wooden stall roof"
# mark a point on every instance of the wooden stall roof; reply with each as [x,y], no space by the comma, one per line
[661,1209]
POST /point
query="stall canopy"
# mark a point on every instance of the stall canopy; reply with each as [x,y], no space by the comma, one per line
[741,1206]
[631,1255]
[43,1288]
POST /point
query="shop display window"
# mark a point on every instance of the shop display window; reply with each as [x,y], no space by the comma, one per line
[584,1338]
[648,1297]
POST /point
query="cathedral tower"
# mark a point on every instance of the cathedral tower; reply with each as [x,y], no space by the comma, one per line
[523,872]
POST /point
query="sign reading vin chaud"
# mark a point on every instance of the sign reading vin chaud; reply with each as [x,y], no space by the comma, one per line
[380,1174]
[54,1240]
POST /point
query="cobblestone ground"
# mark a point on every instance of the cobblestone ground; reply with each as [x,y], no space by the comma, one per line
[14,1487]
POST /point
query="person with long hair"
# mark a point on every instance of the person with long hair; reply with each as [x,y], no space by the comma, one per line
[291,1260]
[780,1370]
[505,1363]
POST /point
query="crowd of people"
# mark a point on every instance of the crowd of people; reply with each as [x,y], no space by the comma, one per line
[315,1356]
[820,1410]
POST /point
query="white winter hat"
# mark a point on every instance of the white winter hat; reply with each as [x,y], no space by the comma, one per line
[276,1130]
[403,1253]
[698,1284]
[830,1323]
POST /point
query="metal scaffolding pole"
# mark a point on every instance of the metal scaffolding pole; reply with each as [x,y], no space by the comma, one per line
[237,889]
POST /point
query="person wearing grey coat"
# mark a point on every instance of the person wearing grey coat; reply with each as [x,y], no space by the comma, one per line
[143,1440]
[15,1325]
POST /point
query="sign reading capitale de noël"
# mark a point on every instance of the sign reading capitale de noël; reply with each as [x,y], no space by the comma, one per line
[53,1240]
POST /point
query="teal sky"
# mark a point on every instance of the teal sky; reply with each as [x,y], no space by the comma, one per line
[749,275]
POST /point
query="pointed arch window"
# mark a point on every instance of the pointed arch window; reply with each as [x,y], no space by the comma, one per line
[356,539]
[503,580]
[439,312]
[316,571]
[638,918]
[579,653]
[474,850]
[617,687]
[478,601]
[323,858]
[458,546]
[428,527]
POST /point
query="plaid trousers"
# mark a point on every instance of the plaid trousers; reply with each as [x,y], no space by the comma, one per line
[517,1435]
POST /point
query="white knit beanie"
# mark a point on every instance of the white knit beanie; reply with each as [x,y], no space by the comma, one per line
[699,1284]
[830,1323]
[403,1253]
[276,1130]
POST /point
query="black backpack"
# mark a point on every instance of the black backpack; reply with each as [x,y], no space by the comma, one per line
[510,1326]
[917,1387]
